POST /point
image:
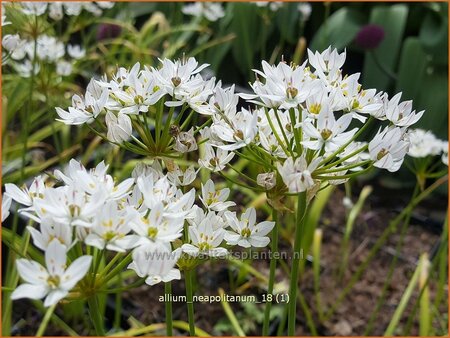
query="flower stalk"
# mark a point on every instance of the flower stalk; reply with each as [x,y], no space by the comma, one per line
[273,266]
[293,286]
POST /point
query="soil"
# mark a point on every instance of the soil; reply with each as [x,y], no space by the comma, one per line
[351,316]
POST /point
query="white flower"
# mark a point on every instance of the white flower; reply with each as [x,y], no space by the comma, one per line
[53,282]
[142,169]
[119,127]
[285,86]
[95,181]
[273,5]
[305,9]
[215,159]
[297,175]
[423,143]
[401,114]
[111,228]
[215,200]
[348,203]
[25,68]
[155,228]
[154,190]
[50,231]
[178,78]
[388,148]
[238,131]
[48,48]
[34,8]
[63,68]
[327,64]
[10,42]
[183,178]
[73,8]
[56,10]
[20,50]
[329,133]
[245,232]
[210,10]
[105,4]
[26,195]
[224,101]
[444,152]
[267,180]
[85,110]
[67,205]
[6,205]
[76,51]
[156,264]
[205,239]
[185,141]
[135,91]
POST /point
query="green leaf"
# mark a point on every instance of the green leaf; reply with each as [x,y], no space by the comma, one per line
[413,61]
[393,19]
[434,36]
[288,22]
[338,31]
[245,25]
[16,92]
[433,97]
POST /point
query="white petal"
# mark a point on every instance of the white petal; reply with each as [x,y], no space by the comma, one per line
[173,274]
[29,291]
[31,271]
[54,297]
[75,272]
[258,242]
[55,257]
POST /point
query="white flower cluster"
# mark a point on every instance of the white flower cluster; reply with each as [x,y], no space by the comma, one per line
[130,94]
[21,53]
[424,143]
[48,50]
[272,5]
[305,126]
[211,11]
[57,9]
[145,213]
[307,119]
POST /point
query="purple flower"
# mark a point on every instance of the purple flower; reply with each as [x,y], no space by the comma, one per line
[108,31]
[370,36]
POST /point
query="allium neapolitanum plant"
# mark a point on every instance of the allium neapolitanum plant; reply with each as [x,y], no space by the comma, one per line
[301,126]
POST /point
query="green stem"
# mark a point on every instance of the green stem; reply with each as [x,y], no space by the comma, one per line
[273,265]
[282,131]
[118,268]
[286,151]
[45,320]
[341,148]
[190,301]
[300,220]
[118,309]
[96,318]
[169,323]
[344,168]
[25,116]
